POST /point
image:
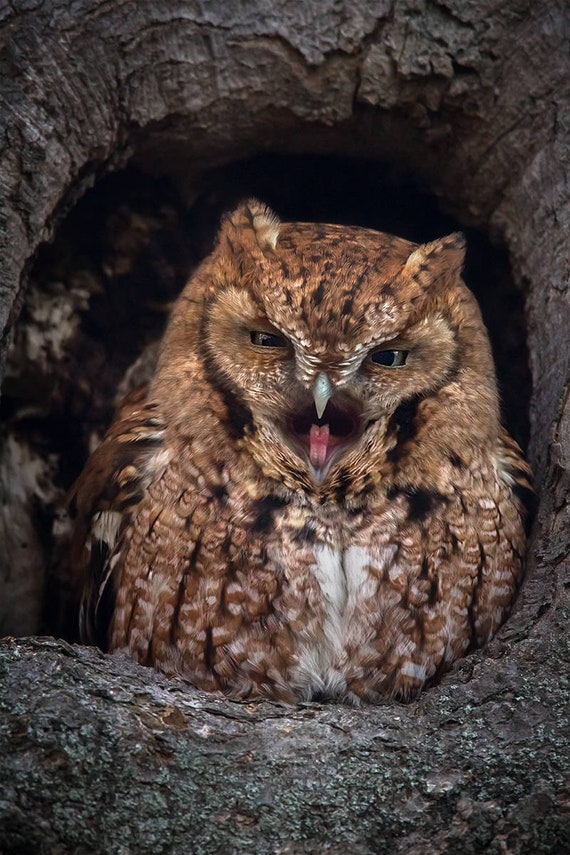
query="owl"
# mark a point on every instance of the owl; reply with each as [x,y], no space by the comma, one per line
[314,497]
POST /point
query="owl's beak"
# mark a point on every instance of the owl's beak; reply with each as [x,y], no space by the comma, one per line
[322,392]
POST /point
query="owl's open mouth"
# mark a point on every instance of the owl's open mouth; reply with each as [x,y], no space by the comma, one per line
[324,439]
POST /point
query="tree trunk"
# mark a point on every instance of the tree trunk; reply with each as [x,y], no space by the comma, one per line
[472,99]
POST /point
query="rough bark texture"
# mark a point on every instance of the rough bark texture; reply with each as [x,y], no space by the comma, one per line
[103,755]
[473,98]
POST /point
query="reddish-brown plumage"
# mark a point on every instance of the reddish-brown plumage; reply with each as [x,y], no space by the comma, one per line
[256,553]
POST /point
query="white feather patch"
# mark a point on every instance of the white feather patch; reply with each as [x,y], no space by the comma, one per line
[411,669]
[266,225]
[329,571]
[106,526]
[361,585]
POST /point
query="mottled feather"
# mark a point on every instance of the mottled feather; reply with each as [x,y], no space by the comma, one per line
[231,536]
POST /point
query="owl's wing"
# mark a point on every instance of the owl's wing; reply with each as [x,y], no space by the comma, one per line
[519,477]
[113,481]
[501,531]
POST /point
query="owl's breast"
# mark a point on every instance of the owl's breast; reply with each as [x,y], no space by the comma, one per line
[268,595]
[348,580]
[334,574]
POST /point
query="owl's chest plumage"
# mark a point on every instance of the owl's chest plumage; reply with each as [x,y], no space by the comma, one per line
[259,593]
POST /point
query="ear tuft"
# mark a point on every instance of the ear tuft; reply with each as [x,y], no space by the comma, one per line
[254,216]
[442,257]
[266,224]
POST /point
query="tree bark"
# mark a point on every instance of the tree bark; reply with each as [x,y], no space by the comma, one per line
[100,755]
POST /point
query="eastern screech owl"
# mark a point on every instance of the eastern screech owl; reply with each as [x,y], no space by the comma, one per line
[314,496]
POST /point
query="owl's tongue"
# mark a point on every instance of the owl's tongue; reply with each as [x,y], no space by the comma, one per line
[318,445]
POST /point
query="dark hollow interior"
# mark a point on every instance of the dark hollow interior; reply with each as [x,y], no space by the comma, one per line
[123,253]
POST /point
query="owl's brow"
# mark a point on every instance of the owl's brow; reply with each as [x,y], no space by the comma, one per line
[308,362]
[354,349]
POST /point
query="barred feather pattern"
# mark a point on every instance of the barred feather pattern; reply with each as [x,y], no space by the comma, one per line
[314,497]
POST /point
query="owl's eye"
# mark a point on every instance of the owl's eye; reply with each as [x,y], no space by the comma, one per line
[389,358]
[266,339]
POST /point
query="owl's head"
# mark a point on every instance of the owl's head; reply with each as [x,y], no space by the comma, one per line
[340,353]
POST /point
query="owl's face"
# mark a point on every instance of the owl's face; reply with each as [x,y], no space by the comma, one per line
[323,332]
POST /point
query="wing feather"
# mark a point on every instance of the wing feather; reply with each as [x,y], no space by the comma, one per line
[113,480]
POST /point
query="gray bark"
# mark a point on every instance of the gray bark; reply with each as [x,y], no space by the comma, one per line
[100,755]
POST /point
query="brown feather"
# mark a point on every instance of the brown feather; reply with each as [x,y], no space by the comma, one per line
[258,549]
